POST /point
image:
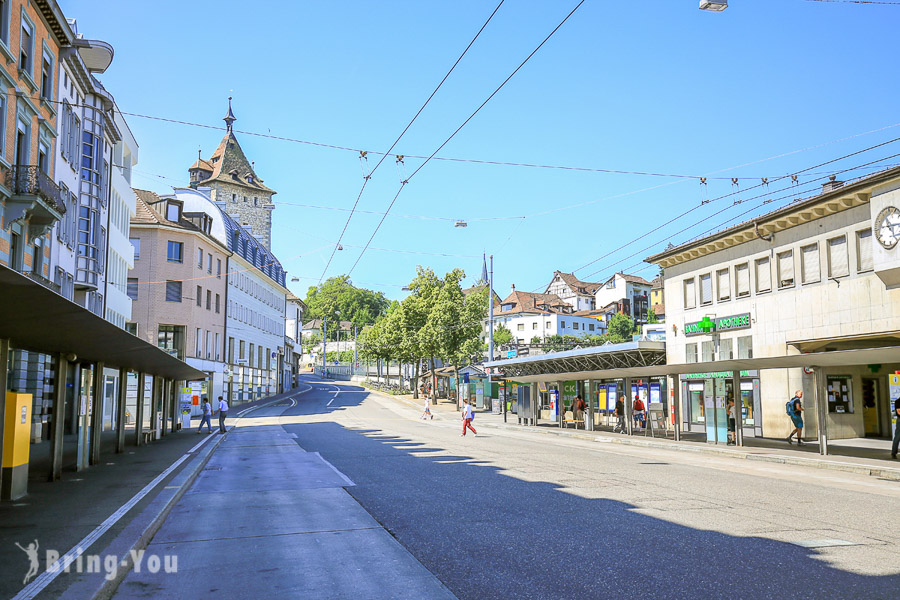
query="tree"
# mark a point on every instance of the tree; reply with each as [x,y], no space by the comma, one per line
[536,340]
[338,297]
[651,317]
[502,335]
[620,328]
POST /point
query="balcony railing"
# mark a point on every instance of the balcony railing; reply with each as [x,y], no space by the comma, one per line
[50,285]
[30,180]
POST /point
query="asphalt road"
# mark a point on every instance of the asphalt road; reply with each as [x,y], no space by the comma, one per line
[511,514]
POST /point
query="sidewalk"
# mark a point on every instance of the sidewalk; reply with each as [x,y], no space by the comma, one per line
[860,460]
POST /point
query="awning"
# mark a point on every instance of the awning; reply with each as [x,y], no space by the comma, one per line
[38,319]
[616,357]
[518,369]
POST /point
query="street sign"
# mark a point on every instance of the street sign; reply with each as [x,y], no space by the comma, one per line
[511,353]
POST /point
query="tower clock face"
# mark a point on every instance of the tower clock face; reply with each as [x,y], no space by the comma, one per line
[887,227]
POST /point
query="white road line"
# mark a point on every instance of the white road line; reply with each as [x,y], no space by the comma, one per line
[337,391]
[333,468]
[208,437]
[44,579]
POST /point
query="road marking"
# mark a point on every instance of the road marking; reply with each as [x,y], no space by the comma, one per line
[337,391]
[44,579]
[208,437]
[333,468]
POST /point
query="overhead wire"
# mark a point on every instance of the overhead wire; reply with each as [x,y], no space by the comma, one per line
[458,129]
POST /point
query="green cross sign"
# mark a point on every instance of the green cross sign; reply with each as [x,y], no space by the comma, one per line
[706,324]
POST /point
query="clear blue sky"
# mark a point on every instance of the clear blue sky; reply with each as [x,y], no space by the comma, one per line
[656,86]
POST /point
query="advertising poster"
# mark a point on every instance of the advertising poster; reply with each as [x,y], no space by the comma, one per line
[894,389]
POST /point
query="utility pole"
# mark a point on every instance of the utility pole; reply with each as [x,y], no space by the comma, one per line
[355,344]
[324,344]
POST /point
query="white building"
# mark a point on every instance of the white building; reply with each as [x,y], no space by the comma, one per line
[804,278]
[574,292]
[293,346]
[528,315]
[122,199]
[630,294]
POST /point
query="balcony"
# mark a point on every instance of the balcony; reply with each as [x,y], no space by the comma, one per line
[50,285]
[35,198]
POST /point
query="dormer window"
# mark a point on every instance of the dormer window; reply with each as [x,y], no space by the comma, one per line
[249,178]
[173,211]
[506,307]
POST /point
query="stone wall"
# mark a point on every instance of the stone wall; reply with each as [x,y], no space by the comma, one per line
[254,207]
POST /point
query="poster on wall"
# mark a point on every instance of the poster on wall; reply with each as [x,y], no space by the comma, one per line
[894,390]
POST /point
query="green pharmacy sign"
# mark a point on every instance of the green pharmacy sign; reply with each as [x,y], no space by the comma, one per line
[710,325]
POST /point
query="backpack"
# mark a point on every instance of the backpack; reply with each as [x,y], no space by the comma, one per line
[472,416]
[638,404]
[789,407]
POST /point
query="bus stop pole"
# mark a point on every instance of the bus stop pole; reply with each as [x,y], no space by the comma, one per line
[821,396]
[675,407]
[738,407]
[629,409]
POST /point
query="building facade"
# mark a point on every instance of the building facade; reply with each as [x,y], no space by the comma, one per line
[574,292]
[812,276]
[629,293]
[529,315]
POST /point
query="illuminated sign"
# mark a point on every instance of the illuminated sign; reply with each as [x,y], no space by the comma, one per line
[710,325]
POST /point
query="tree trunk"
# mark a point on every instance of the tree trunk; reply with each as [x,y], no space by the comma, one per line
[415,384]
[433,379]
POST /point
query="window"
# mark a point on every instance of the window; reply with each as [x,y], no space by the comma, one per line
[251,356]
[4,21]
[809,264]
[199,344]
[234,197]
[520,327]
[506,307]
[690,296]
[208,299]
[173,291]
[133,288]
[590,326]
[2,108]
[742,277]
[763,275]
[575,326]
[199,258]
[175,252]
[838,265]
[37,263]
[217,304]
[708,351]
[726,349]
[723,284]
[47,77]
[219,268]
[706,289]
[864,251]
[534,325]
[131,328]
[173,211]
[199,296]
[136,242]
[241,350]
[259,363]
[209,263]
[549,324]
[785,269]
[26,47]
[745,347]
[690,353]
[171,339]
[562,324]
[208,344]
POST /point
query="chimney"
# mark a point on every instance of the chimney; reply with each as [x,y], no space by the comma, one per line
[513,287]
[831,184]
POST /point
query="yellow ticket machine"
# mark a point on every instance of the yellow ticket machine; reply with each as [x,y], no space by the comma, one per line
[16,445]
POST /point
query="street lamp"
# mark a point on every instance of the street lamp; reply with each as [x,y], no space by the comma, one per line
[713,5]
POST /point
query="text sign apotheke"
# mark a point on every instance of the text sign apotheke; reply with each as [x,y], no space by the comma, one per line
[710,325]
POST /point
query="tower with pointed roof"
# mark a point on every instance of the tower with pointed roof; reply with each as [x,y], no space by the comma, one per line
[235,185]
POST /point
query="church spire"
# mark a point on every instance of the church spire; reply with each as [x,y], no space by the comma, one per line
[484,272]
[229,118]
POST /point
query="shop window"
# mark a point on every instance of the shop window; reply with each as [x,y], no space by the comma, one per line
[705,289]
[690,295]
[864,251]
[742,277]
[745,347]
[838,265]
[690,353]
[840,394]
[809,264]
[763,275]
[726,349]
[786,269]
[723,284]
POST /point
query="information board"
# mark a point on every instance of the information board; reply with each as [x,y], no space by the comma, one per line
[894,389]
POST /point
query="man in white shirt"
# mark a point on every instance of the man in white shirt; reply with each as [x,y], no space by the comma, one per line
[223,412]
[468,414]
[207,417]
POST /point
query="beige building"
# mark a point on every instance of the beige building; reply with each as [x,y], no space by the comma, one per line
[178,285]
[820,274]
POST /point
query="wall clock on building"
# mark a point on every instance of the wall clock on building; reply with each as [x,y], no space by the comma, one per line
[887,227]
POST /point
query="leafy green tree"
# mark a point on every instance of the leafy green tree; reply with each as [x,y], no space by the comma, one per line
[338,299]
[651,316]
[620,328]
[502,335]
[536,340]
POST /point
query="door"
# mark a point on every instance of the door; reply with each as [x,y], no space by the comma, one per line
[871,407]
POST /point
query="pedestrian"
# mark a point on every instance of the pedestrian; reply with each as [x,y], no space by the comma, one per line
[794,410]
[732,422]
[427,413]
[620,415]
[468,414]
[223,413]
[207,417]
[896,429]
[638,408]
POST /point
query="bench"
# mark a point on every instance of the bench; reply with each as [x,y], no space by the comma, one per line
[568,417]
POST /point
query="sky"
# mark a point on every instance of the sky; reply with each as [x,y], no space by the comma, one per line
[765,89]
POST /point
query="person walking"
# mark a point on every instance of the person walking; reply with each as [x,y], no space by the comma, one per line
[795,412]
[620,415]
[427,414]
[638,407]
[896,429]
[468,414]
[223,413]
[207,417]
[732,422]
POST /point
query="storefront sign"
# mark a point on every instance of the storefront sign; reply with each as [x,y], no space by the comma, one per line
[716,375]
[711,325]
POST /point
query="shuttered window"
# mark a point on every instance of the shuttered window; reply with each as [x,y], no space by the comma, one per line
[690,294]
[809,257]
[785,269]
[838,265]
[173,291]
[763,275]
[864,250]
[723,284]
[706,289]
[742,275]
[132,288]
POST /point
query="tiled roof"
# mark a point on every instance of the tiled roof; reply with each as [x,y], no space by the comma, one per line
[581,288]
[628,278]
[229,164]
[659,309]
[529,302]
[316,324]
[657,283]
[144,211]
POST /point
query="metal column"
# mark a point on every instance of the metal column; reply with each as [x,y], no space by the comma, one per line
[120,410]
[164,402]
[821,398]
[738,408]
[96,414]
[154,394]
[57,416]
[589,418]
[675,407]
[139,410]
[4,372]
[176,409]
[629,404]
